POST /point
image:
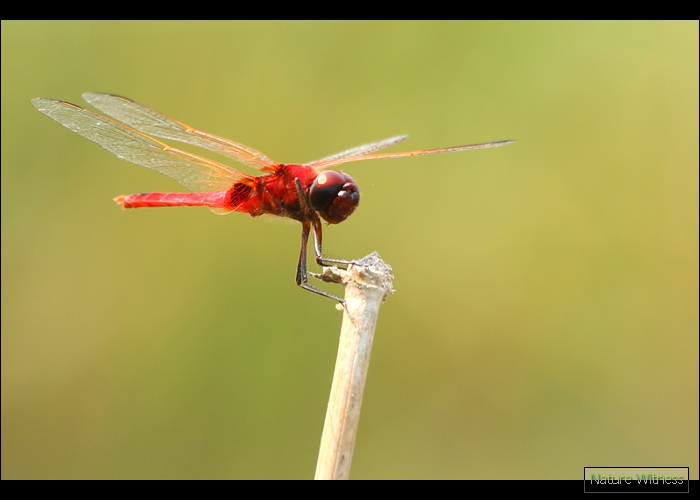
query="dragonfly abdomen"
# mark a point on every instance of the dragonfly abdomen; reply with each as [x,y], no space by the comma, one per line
[215,199]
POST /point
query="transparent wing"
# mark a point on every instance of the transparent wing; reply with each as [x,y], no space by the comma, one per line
[152,122]
[331,162]
[367,148]
[192,171]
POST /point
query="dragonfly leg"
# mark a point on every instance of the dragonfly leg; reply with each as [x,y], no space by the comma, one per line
[318,243]
[302,275]
[318,231]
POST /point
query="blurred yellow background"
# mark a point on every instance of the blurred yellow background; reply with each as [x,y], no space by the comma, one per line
[546,307]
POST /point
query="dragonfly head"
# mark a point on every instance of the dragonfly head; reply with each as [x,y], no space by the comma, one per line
[334,196]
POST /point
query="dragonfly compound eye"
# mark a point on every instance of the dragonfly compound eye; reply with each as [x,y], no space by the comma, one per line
[334,196]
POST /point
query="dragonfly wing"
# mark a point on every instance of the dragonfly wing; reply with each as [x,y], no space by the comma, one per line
[192,171]
[331,162]
[367,148]
[150,121]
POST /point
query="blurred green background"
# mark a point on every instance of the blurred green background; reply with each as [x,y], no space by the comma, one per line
[546,307]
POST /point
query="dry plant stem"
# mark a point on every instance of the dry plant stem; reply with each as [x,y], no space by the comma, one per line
[366,287]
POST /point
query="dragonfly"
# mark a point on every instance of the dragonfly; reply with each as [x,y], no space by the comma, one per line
[308,193]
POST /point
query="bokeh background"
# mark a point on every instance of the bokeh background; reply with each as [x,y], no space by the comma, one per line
[546,307]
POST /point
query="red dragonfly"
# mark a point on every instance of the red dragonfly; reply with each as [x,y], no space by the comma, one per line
[306,193]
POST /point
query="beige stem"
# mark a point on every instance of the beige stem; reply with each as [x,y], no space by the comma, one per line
[366,287]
